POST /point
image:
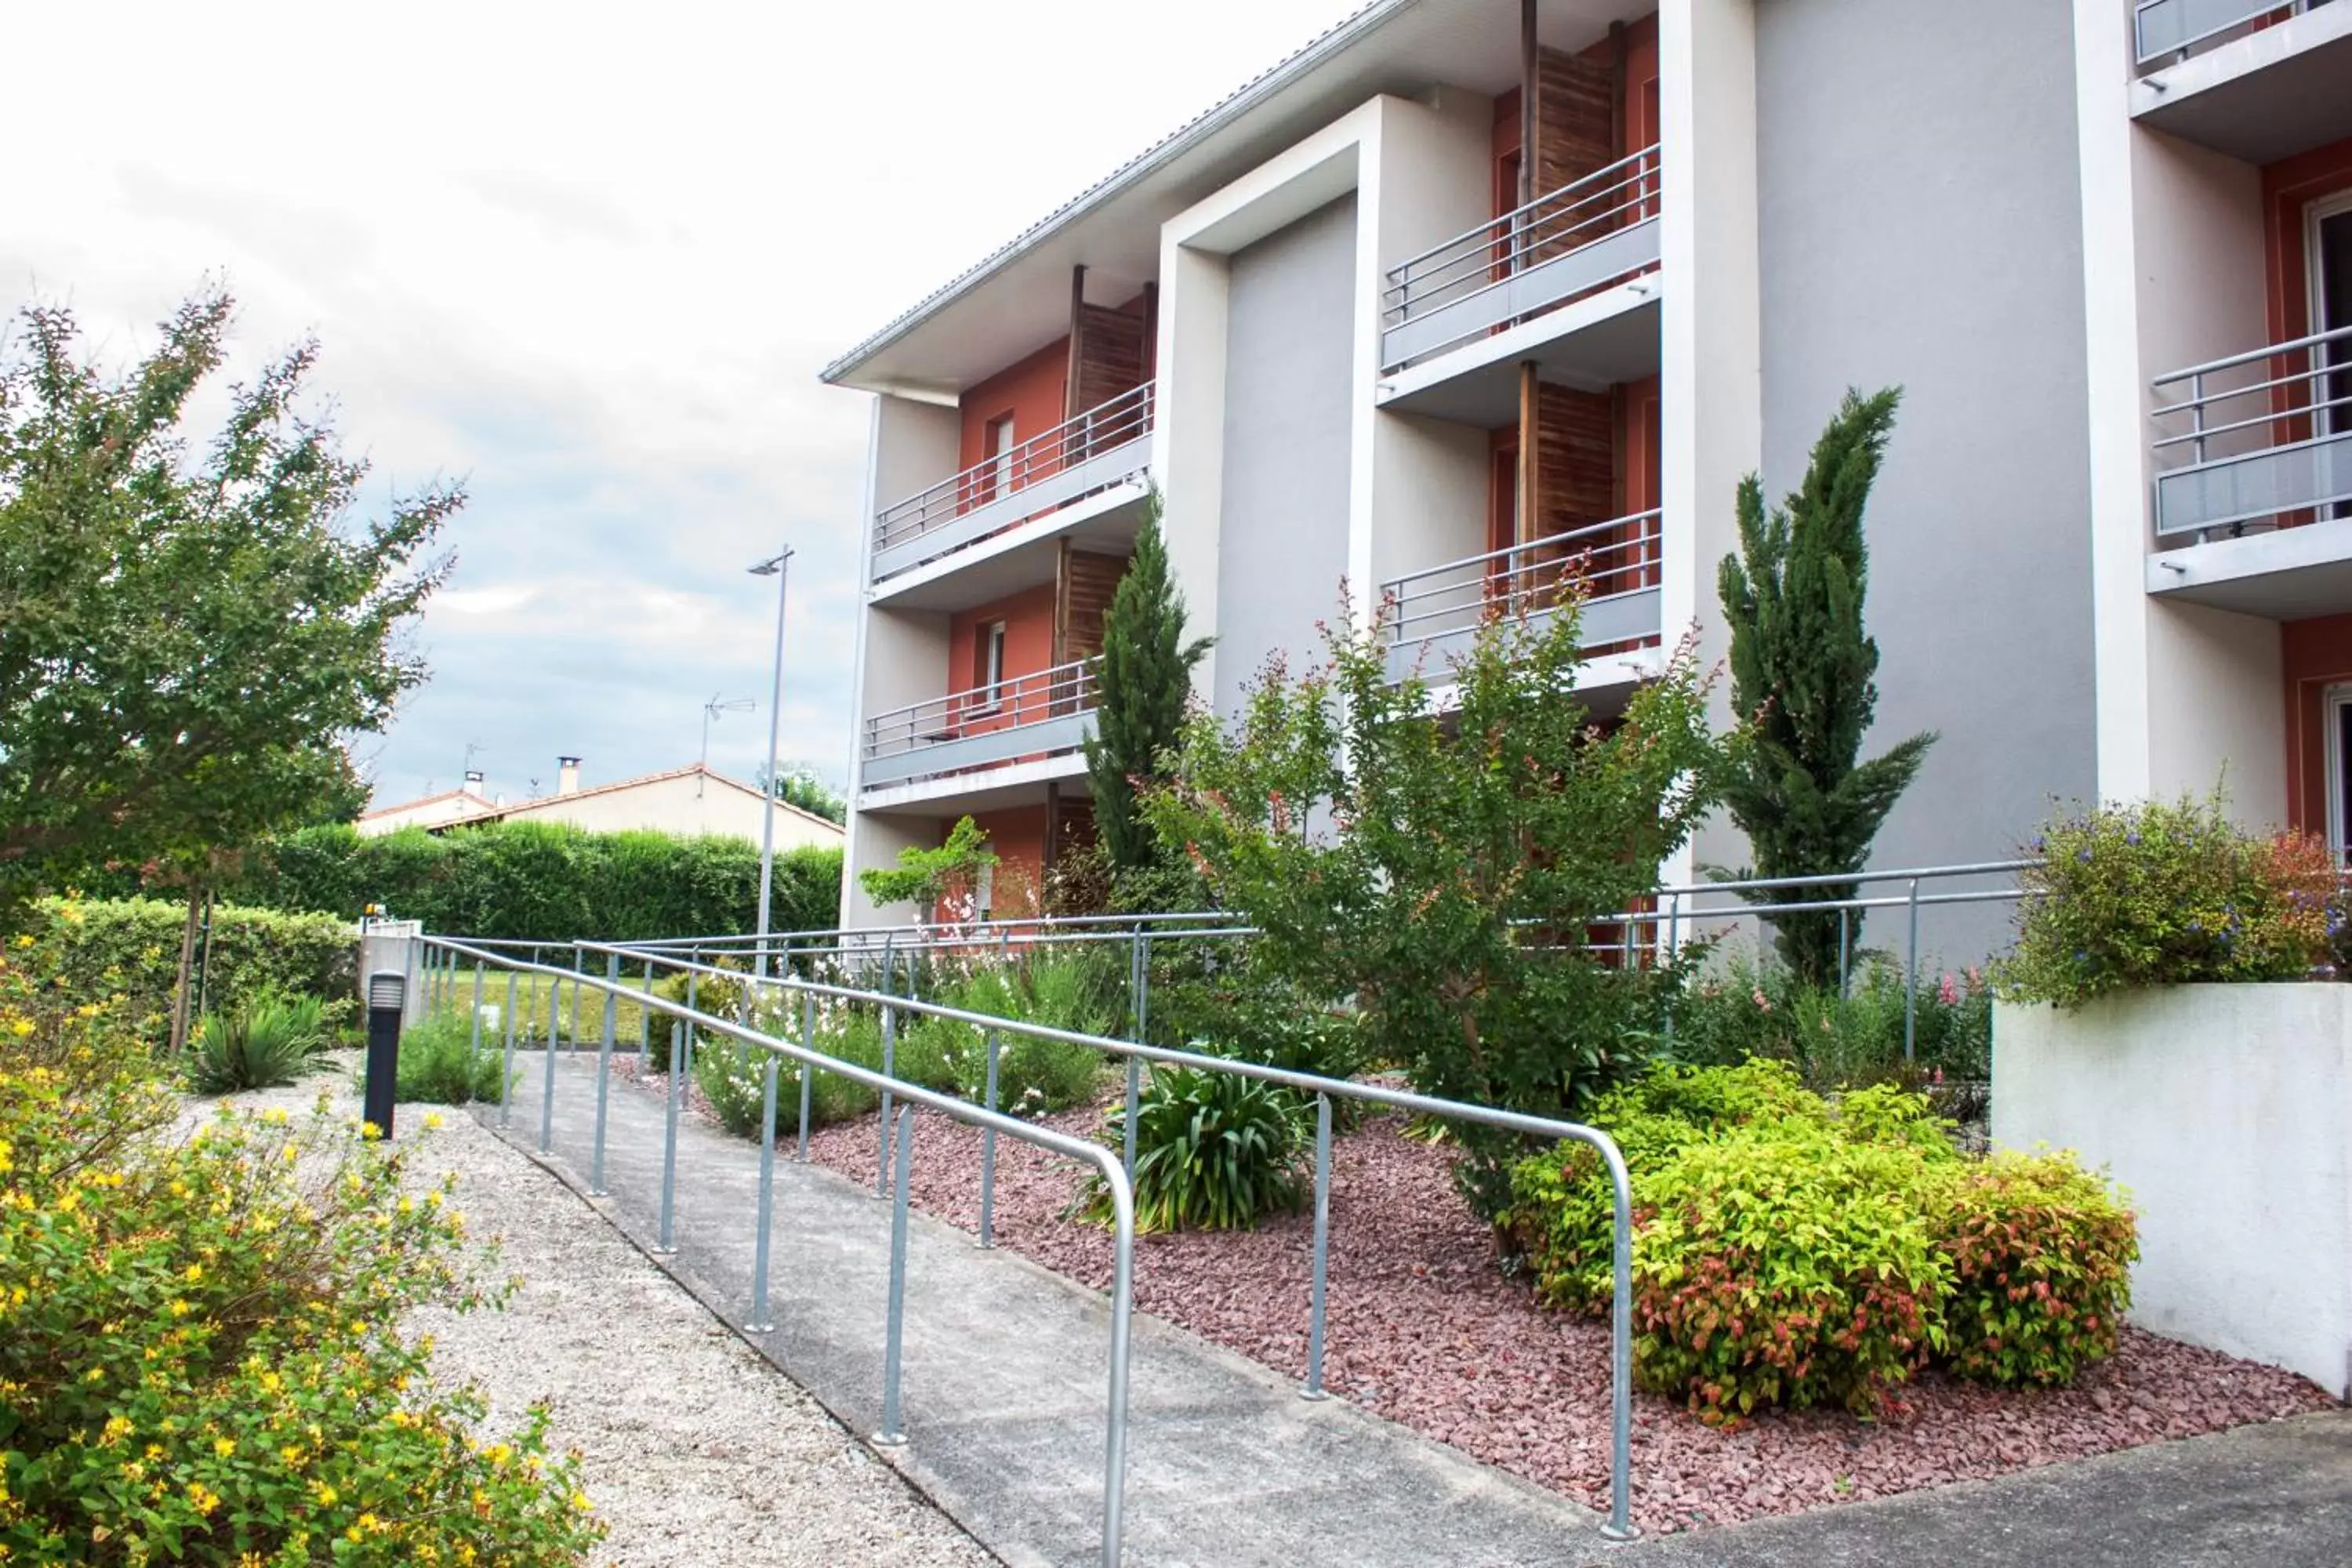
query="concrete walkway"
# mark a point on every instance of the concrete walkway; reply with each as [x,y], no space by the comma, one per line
[2278,1495]
[1006,1367]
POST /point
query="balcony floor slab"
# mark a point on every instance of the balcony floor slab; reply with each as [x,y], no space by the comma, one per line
[2276,92]
[1591,344]
[2286,574]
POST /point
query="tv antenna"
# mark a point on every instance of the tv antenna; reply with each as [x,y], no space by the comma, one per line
[712,710]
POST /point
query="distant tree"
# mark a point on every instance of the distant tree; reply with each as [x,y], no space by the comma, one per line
[186,633]
[926,877]
[804,787]
[1143,688]
[1803,668]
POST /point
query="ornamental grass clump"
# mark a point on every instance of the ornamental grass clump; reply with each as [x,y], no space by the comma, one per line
[2127,897]
[1215,1151]
[201,1356]
[1791,1251]
[440,1065]
[260,1044]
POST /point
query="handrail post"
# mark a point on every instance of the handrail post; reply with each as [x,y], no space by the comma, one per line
[682,1066]
[1911,979]
[666,1243]
[892,1434]
[612,1001]
[761,1322]
[1620,1349]
[506,1076]
[807,1073]
[579,966]
[1126,1128]
[474,1048]
[646,1021]
[889,1070]
[988,1156]
[1315,1310]
[547,1078]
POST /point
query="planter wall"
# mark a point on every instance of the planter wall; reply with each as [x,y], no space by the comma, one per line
[2227,1111]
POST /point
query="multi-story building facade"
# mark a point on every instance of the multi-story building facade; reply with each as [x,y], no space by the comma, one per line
[1357,333]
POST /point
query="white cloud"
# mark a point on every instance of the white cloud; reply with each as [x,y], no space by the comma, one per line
[589,259]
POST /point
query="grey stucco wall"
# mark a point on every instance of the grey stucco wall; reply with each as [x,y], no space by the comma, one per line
[1919,223]
[1289,362]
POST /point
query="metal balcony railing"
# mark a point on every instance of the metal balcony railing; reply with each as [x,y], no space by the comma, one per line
[1039,714]
[2268,436]
[1433,615]
[1104,445]
[1595,231]
[2173,29]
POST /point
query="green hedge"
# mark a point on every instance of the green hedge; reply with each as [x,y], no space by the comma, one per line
[131,947]
[543,879]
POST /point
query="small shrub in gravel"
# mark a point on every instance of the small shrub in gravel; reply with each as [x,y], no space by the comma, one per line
[1783,1265]
[256,1044]
[2041,1253]
[1788,1250]
[439,1066]
[1213,1151]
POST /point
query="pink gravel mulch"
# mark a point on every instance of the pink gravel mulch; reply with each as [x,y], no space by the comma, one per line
[1426,1330]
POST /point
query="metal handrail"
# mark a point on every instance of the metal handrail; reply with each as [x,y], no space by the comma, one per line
[1115,1174]
[2214,414]
[1111,423]
[1482,258]
[1008,704]
[2179,49]
[1604,558]
[1325,1090]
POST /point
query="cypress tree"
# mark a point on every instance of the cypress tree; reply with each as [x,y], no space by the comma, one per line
[1804,669]
[1143,682]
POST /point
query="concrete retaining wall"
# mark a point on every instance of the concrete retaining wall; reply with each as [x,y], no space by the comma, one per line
[2227,1111]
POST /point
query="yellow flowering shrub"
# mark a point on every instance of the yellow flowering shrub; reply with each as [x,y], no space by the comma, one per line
[200,1351]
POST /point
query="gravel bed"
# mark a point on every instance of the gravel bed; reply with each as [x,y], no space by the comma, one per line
[1426,1330]
[694,1449]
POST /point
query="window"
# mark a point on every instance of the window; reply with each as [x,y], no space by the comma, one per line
[991,665]
[998,455]
[2335,736]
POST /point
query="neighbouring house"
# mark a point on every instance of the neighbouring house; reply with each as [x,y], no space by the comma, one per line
[1467,291]
[688,800]
[427,811]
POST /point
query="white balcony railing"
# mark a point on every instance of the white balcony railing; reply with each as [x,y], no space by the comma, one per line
[1044,713]
[1105,446]
[2172,29]
[1434,615]
[1596,231]
[2255,440]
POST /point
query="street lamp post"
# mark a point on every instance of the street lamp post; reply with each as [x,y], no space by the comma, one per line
[774,566]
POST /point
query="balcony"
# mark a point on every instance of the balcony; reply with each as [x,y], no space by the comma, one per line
[1108,445]
[1435,616]
[2253,489]
[2257,81]
[1045,714]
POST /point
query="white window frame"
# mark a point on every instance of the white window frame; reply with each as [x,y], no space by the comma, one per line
[2317,212]
[991,685]
[2334,718]
[1001,438]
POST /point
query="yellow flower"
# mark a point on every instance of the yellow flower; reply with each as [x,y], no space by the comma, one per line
[580,1501]
[370,1132]
[326,1494]
[500,1454]
[224,1446]
[180,1309]
[117,1427]
[291,1455]
[432,1121]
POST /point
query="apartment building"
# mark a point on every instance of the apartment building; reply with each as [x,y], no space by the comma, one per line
[1470,293]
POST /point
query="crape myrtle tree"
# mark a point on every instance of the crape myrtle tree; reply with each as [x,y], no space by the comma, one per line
[1143,684]
[1448,868]
[1804,669]
[189,630]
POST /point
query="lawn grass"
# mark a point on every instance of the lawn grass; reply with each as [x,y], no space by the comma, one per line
[532,994]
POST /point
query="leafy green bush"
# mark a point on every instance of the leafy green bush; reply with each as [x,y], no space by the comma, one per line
[1215,1151]
[1782,1265]
[1737,1009]
[439,1063]
[2041,1252]
[130,948]
[1034,1077]
[525,880]
[258,1044]
[252,1397]
[1229,1004]
[733,1078]
[2166,894]
[1789,1250]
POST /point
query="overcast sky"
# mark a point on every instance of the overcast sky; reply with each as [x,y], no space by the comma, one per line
[590,259]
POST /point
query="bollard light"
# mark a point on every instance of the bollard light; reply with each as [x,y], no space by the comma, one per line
[387,991]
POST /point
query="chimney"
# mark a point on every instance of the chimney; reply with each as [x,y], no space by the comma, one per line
[567,775]
[473,781]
